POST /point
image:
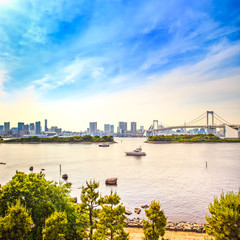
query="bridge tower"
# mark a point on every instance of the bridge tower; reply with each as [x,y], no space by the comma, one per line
[155,126]
[212,115]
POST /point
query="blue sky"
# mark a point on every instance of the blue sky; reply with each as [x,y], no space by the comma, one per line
[111,60]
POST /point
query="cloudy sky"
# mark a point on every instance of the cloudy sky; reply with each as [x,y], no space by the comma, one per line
[76,61]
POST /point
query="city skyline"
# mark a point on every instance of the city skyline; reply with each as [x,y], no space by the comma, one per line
[77,62]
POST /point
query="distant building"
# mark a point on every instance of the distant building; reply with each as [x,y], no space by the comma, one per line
[20,126]
[14,131]
[93,128]
[142,128]
[56,130]
[133,127]
[112,129]
[6,126]
[38,128]
[122,127]
[46,128]
[32,129]
[106,128]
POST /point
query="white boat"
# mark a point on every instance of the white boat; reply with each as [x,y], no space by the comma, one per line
[136,152]
[103,145]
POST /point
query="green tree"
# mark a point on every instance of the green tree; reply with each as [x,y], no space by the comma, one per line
[55,226]
[41,198]
[224,219]
[90,200]
[156,225]
[111,219]
[16,224]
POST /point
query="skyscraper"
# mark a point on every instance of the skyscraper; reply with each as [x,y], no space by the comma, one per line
[38,127]
[20,126]
[133,127]
[93,128]
[46,128]
[112,129]
[6,126]
[122,127]
[106,128]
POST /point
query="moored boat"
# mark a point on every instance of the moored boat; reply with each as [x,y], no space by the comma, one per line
[136,152]
[103,145]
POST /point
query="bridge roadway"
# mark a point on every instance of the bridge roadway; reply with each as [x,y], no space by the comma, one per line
[194,126]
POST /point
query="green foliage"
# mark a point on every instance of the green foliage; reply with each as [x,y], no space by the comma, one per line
[55,226]
[90,201]
[156,225]
[111,219]
[16,224]
[190,138]
[41,198]
[56,139]
[224,219]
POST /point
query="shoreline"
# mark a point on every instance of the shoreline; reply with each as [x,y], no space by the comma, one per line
[182,226]
[59,142]
[172,142]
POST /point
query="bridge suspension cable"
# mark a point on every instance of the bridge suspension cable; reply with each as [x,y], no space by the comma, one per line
[224,121]
[197,119]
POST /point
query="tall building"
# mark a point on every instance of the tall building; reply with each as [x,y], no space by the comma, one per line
[20,126]
[93,128]
[133,127]
[106,128]
[6,126]
[112,129]
[122,127]
[32,128]
[38,127]
[46,128]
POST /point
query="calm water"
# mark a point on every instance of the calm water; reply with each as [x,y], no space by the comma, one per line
[174,174]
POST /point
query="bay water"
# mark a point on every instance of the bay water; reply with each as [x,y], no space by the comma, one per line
[174,174]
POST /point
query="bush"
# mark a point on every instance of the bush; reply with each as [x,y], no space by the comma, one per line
[224,219]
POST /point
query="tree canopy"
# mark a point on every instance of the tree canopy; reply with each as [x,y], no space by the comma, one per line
[41,199]
[224,218]
[155,226]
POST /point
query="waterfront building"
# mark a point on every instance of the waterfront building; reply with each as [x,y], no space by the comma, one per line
[20,126]
[46,128]
[93,128]
[6,126]
[56,130]
[1,130]
[106,128]
[38,128]
[133,127]
[122,127]
[15,131]
[112,129]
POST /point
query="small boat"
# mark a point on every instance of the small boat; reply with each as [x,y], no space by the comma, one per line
[103,145]
[136,152]
[111,181]
[3,163]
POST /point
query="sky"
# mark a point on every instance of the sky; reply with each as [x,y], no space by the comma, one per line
[77,61]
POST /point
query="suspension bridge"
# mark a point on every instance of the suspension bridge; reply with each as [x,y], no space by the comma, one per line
[209,121]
